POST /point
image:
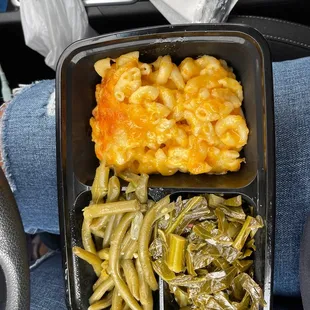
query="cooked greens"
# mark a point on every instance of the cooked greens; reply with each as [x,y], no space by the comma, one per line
[203,251]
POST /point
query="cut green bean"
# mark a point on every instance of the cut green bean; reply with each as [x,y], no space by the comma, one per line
[87,238]
[129,177]
[115,251]
[105,265]
[141,190]
[105,286]
[97,233]
[144,240]
[131,249]
[131,277]
[108,232]
[90,258]
[114,189]
[99,187]
[145,292]
[117,301]
[111,208]
[131,196]
[118,219]
[104,254]
[103,303]
[136,226]
[99,223]
[125,243]
[131,188]
[103,277]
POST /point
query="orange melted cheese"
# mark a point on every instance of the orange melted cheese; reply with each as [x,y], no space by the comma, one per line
[192,125]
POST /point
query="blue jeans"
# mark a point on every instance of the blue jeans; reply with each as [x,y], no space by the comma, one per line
[30,164]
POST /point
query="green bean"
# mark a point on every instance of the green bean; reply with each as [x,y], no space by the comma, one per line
[136,225]
[90,258]
[108,232]
[150,204]
[114,189]
[143,207]
[87,238]
[105,265]
[103,303]
[113,194]
[99,223]
[131,196]
[144,239]
[131,277]
[104,253]
[131,249]
[103,276]
[146,297]
[117,301]
[105,286]
[125,242]
[115,250]
[141,190]
[130,177]
[99,188]
[111,208]
[118,219]
[97,233]
[131,188]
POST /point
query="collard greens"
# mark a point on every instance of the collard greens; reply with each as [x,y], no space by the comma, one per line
[203,250]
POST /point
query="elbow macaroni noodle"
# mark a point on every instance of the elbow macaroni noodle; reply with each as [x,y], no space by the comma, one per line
[163,118]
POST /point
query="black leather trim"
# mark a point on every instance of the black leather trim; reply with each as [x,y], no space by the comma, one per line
[13,253]
[287,40]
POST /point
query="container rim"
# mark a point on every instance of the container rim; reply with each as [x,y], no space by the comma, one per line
[244,30]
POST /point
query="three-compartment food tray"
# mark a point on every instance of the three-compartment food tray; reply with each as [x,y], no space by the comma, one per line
[247,52]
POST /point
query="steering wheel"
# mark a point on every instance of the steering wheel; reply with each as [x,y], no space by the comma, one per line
[14,268]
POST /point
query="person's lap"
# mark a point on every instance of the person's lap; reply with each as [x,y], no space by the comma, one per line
[47,284]
[36,190]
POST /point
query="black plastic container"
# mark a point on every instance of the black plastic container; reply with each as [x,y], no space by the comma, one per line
[247,52]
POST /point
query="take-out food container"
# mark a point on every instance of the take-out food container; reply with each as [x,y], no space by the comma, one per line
[247,52]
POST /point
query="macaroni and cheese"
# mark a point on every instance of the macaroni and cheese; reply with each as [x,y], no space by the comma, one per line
[163,118]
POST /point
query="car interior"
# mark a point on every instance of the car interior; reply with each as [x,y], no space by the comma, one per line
[285,24]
